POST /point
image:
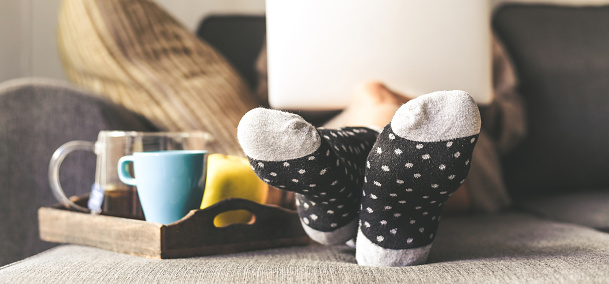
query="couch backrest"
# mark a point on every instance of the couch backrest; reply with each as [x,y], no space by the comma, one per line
[561,55]
[239,38]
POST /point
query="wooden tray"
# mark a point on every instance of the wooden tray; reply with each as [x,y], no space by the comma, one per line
[193,235]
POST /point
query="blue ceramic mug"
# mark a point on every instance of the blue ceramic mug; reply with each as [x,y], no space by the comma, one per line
[169,183]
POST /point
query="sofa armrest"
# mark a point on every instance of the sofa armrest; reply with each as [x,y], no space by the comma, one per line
[36,117]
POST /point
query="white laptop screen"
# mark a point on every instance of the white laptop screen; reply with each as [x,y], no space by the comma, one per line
[319,50]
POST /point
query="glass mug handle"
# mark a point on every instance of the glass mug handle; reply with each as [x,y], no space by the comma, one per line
[58,157]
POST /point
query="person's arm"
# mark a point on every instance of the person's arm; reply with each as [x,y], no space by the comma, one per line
[504,119]
[503,126]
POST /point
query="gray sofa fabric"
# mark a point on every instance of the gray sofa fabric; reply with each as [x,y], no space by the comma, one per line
[36,117]
[562,60]
[589,208]
[506,248]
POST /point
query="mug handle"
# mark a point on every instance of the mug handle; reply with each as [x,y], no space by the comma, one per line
[56,160]
[123,173]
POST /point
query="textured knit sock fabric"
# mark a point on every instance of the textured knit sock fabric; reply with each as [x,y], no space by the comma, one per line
[135,53]
[324,167]
[417,162]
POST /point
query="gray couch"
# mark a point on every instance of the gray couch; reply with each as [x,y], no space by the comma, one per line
[557,231]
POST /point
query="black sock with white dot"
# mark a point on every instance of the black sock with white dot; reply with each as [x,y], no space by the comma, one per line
[417,162]
[327,179]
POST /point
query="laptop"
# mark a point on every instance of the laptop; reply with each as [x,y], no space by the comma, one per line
[319,50]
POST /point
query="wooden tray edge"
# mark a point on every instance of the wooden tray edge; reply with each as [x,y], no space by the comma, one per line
[154,240]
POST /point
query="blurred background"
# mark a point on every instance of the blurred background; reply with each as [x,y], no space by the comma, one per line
[28,31]
[28,45]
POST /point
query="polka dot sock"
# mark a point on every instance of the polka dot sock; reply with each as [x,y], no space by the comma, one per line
[324,167]
[417,162]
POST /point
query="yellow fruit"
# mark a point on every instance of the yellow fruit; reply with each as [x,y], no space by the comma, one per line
[228,177]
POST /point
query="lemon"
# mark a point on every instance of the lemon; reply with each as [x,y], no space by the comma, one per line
[228,177]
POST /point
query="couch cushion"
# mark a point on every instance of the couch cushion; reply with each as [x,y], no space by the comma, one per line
[139,56]
[507,248]
[590,208]
[560,55]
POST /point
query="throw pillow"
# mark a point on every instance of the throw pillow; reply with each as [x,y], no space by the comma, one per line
[135,53]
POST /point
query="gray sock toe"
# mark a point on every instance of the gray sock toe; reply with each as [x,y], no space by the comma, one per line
[273,135]
[437,116]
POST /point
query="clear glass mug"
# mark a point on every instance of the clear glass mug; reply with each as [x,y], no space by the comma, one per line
[108,194]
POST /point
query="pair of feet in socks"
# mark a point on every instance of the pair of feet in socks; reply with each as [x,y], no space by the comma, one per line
[385,190]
